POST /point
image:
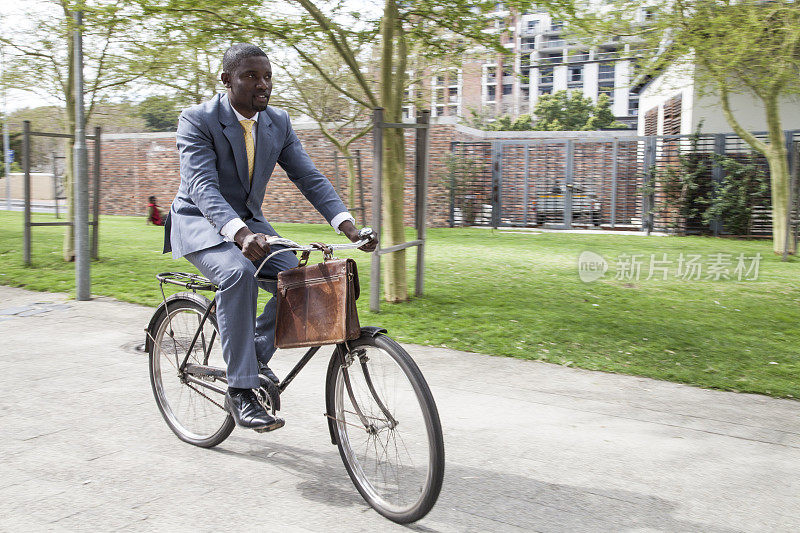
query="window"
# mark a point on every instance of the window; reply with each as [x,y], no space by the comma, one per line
[526,93]
[556,25]
[633,105]
[527,43]
[606,71]
[608,91]
[439,79]
[546,75]
[507,88]
[452,94]
[545,90]
[491,74]
[490,93]
[575,74]
[533,25]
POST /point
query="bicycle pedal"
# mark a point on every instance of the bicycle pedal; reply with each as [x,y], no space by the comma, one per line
[279,423]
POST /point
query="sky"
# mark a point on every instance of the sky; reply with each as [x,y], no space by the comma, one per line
[10,20]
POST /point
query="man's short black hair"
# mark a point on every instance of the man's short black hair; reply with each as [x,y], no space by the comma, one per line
[234,55]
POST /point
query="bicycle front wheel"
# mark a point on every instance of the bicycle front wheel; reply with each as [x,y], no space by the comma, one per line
[387,428]
[194,412]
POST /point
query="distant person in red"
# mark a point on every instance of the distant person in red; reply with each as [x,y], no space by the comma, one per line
[153,212]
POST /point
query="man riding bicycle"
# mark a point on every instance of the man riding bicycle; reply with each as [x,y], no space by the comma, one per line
[228,149]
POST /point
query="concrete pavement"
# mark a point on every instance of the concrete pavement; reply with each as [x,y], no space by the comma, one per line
[530,446]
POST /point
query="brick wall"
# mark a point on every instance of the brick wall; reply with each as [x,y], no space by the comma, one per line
[135,166]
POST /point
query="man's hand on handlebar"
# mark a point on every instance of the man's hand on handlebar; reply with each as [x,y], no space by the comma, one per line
[349,229]
[254,245]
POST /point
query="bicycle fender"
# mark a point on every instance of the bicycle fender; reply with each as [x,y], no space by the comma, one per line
[161,309]
[372,331]
[330,380]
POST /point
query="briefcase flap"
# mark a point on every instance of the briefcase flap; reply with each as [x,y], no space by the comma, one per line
[316,304]
[328,271]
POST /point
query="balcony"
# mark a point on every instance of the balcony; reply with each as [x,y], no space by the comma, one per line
[604,56]
[555,43]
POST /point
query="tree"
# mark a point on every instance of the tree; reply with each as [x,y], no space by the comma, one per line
[730,47]
[43,60]
[432,29]
[160,113]
[340,119]
[557,112]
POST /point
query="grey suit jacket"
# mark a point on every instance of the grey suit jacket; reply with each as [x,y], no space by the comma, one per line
[215,187]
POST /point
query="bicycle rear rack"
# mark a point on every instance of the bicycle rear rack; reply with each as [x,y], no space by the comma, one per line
[193,282]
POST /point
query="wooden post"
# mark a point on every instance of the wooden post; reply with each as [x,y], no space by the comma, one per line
[377,165]
[26,161]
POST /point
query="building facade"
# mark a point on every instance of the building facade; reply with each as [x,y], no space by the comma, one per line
[540,60]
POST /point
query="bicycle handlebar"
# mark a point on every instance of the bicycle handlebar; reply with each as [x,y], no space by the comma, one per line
[292,246]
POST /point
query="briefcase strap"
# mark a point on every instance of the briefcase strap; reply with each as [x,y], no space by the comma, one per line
[327,253]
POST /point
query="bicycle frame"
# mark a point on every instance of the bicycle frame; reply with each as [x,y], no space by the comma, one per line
[194,373]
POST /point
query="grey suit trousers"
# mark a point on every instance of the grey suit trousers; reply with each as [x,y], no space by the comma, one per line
[246,340]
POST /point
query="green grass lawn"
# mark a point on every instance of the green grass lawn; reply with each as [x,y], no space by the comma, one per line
[518,295]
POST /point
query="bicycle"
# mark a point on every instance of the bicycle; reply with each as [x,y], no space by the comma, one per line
[374,390]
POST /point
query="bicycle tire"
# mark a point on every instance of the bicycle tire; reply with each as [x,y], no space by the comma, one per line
[383,462]
[190,411]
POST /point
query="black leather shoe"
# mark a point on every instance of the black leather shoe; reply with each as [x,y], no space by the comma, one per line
[264,370]
[248,412]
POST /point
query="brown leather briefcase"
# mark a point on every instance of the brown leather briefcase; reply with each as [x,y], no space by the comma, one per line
[317,304]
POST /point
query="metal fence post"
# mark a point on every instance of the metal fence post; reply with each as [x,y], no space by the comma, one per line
[648,197]
[363,208]
[717,175]
[497,150]
[453,187]
[795,192]
[791,154]
[26,161]
[614,178]
[336,186]
[525,190]
[377,165]
[569,182]
[96,199]
[422,140]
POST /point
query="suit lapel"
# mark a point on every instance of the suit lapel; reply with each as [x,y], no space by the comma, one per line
[264,146]
[235,135]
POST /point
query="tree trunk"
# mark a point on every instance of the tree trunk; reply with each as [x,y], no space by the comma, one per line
[68,248]
[352,179]
[394,265]
[777,158]
[780,179]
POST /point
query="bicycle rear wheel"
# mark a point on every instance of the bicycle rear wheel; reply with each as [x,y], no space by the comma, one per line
[196,414]
[387,428]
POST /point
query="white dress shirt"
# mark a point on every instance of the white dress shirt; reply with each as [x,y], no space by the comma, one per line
[229,230]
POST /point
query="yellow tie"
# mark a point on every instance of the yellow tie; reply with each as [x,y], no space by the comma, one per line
[247,126]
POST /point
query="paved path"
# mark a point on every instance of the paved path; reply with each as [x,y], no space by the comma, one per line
[530,446]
